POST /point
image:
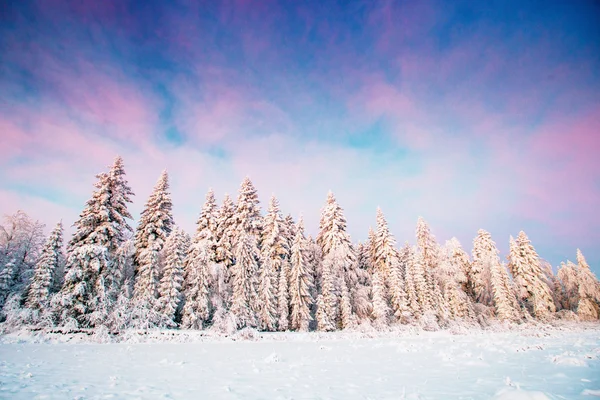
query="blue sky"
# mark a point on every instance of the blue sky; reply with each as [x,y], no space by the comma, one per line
[471,114]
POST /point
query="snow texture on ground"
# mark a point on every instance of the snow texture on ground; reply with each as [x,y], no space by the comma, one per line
[425,365]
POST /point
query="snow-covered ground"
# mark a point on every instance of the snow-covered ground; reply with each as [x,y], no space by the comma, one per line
[532,364]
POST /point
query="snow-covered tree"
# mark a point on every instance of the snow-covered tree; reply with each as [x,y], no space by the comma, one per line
[503,296]
[244,281]
[569,278]
[589,290]
[92,277]
[273,299]
[484,250]
[301,281]
[427,245]
[390,270]
[452,277]
[156,223]
[225,241]
[529,277]
[283,296]
[21,241]
[51,259]
[339,262]
[381,309]
[170,289]
[200,268]
[414,279]
[247,212]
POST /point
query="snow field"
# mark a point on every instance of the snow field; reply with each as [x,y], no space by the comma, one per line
[428,365]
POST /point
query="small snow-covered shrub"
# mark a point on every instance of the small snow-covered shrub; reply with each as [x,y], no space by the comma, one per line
[429,322]
[483,313]
[224,322]
[247,334]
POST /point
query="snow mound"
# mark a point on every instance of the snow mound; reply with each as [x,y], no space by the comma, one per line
[567,360]
[517,394]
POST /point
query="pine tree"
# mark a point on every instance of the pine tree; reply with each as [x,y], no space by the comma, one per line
[301,282]
[381,310]
[339,263]
[484,249]
[244,285]
[92,278]
[199,267]
[225,234]
[327,301]
[413,279]
[504,298]
[452,274]
[588,292]
[387,264]
[427,245]
[569,278]
[170,289]
[247,213]
[529,277]
[156,223]
[283,296]
[274,272]
[363,302]
[44,273]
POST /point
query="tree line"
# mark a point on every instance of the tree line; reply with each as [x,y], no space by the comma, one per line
[242,269]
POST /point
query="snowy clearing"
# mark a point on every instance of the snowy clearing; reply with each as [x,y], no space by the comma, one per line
[533,364]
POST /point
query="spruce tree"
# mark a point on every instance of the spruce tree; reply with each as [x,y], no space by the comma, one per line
[503,297]
[244,281]
[156,223]
[381,309]
[588,291]
[199,265]
[274,271]
[484,249]
[170,289]
[92,278]
[247,212]
[529,277]
[225,234]
[51,260]
[427,245]
[339,263]
[301,282]
[387,264]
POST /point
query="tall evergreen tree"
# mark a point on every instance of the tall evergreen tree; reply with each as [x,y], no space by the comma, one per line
[529,277]
[427,245]
[199,266]
[244,281]
[588,307]
[339,262]
[156,223]
[301,282]
[387,264]
[484,249]
[170,289]
[224,252]
[51,260]
[247,212]
[504,298]
[273,282]
[92,278]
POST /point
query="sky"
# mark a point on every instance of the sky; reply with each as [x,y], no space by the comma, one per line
[471,114]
